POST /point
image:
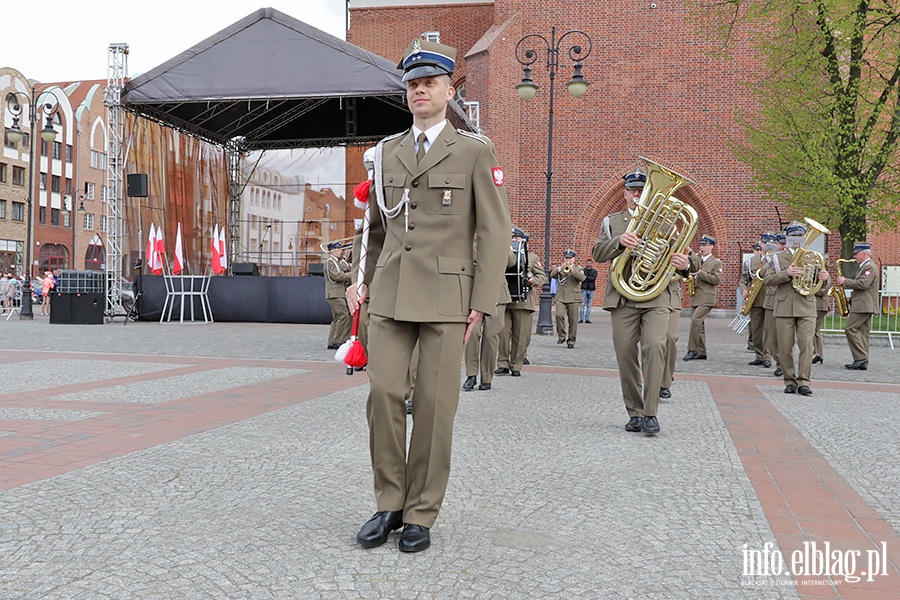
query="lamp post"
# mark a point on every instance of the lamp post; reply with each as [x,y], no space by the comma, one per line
[292,246]
[527,55]
[15,135]
[67,210]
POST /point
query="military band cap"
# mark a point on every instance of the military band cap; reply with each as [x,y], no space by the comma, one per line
[427,59]
[637,179]
[334,245]
[795,229]
[569,254]
[519,233]
[708,239]
[757,246]
[781,238]
[861,247]
[767,237]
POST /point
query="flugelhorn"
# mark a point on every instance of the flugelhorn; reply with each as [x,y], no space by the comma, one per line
[808,283]
[665,225]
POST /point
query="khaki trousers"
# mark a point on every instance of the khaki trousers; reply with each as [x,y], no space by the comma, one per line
[697,336]
[758,332]
[819,345]
[857,332]
[671,349]
[802,331]
[648,327]
[339,332]
[566,312]
[481,353]
[415,482]
[771,337]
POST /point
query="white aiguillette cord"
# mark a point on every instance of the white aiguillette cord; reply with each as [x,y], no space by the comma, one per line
[403,205]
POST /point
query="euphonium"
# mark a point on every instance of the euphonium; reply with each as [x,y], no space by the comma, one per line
[665,225]
[808,283]
[839,294]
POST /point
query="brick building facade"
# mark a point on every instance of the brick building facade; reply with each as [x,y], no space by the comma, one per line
[655,91]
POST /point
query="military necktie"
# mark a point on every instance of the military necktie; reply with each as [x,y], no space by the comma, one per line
[420,153]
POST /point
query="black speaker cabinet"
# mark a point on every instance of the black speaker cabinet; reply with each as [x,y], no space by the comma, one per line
[316,269]
[60,308]
[137,185]
[245,269]
[87,309]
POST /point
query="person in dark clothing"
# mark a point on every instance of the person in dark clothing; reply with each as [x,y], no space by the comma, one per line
[587,292]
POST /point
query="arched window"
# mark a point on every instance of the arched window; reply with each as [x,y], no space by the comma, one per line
[94,257]
[53,256]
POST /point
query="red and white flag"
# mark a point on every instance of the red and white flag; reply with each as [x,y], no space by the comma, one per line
[151,247]
[178,264]
[156,265]
[223,256]
[214,246]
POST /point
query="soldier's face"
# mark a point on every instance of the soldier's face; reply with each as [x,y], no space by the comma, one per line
[428,97]
[705,249]
[631,197]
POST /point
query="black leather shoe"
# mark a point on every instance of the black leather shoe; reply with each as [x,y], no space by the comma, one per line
[501,371]
[804,390]
[377,529]
[778,372]
[665,393]
[469,384]
[817,360]
[634,424]
[790,389]
[409,407]
[414,538]
[767,364]
[570,345]
[756,363]
[483,387]
[560,341]
[651,426]
[750,348]
[581,320]
[333,346]
[700,357]
[859,365]
[588,321]
[525,361]
[691,355]
[515,373]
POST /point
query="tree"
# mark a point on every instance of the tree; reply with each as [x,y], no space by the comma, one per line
[824,135]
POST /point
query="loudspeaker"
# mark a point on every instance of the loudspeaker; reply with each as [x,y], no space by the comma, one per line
[316,269]
[244,269]
[60,308]
[137,185]
[87,309]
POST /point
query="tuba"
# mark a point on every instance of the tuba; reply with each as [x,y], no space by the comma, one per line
[808,283]
[665,225]
[839,294]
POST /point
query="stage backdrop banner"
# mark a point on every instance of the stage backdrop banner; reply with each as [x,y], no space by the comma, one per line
[245,299]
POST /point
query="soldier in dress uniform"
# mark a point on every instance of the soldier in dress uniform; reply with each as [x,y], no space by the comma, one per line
[481,349]
[706,270]
[568,297]
[771,339]
[337,278]
[757,310]
[516,335]
[795,314]
[745,268]
[636,325]
[435,189]
[675,295]
[822,307]
[864,303]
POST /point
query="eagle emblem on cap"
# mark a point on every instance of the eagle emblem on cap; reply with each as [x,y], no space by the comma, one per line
[416,47]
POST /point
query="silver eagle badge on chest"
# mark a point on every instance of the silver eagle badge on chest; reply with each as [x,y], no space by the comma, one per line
[447,198]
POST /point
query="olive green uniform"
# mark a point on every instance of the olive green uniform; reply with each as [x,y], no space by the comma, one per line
[517,330]
[481,349]
[423,283]
[864,303]
[568,298]
[675,294]
[708,276]
[757,309]
[337,279]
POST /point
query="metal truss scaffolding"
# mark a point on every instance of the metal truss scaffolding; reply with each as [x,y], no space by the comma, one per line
[235,150]
[115,173]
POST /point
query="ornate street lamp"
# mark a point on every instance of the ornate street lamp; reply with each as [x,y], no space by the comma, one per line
[527,55]
[15,135]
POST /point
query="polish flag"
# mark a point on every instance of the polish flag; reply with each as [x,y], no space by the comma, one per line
[159,249]
[178,264]
[223,256]
[214,246]
[151,247]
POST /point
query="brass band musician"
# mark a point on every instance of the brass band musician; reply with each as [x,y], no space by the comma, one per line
[568,297]
[337,278]
[864,284]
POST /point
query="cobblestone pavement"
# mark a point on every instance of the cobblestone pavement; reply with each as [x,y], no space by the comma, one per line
[231,461]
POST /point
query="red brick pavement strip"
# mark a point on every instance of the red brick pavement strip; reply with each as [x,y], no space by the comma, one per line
[38,449]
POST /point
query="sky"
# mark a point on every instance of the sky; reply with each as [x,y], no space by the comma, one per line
[79,33]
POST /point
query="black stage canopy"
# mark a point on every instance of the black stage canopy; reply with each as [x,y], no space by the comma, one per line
[274,82]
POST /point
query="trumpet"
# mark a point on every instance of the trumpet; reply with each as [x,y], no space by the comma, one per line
[566,269]
[839,294]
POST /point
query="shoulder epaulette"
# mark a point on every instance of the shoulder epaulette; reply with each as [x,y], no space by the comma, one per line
[396,135]
[475,136]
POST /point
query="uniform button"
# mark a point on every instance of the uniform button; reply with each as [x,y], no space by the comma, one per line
[463,268]
[412,225]
[416,183]
[447,181]
[413,205]
[408,247]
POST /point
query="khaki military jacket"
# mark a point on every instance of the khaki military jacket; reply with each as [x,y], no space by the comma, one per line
[336,278]
[420,264]
[606,248]
[539,278]
[864,298]
[788,302]
[748,276]
[708,278]
[569,288]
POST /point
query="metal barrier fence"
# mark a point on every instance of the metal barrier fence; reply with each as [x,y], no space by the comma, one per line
[886,323]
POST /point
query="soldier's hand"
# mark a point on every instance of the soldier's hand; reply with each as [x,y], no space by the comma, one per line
[794,271]
[629,239]
[745,293]
[352,301]
[680,261]
[473,319]
[839,280]
[823,275]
